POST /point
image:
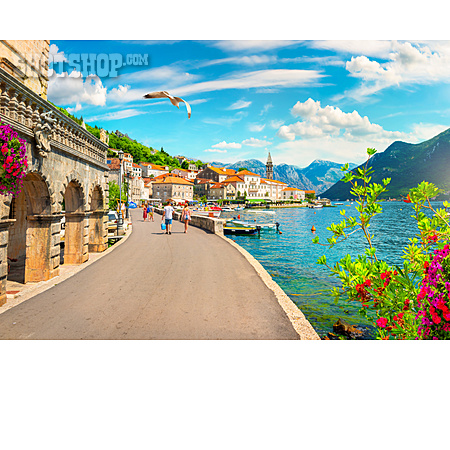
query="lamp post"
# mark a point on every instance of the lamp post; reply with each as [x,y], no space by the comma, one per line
[120,220]
[128,189]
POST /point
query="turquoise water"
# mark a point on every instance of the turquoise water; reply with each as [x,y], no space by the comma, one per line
[291,257]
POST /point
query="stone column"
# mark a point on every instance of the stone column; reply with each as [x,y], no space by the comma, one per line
[76,239]
[4,236]
[98,234]
[43,247]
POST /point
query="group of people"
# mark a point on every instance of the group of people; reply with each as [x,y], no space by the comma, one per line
[167,215]
[148,212]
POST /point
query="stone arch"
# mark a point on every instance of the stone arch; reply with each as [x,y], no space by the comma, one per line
[98,232]
[96,199]
[76,240]
[30,243]
[74,182]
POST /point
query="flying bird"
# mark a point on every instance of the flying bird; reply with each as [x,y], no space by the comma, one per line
[174,100]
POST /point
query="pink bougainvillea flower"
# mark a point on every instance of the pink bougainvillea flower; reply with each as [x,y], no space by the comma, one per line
[382,322]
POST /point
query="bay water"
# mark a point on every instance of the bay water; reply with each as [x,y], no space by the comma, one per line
[291,257]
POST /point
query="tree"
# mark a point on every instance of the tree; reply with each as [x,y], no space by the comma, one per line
[243,168]
[311,196]
[114,194]
[185,165]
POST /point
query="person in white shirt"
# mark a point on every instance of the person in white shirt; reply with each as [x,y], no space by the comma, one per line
[168,216]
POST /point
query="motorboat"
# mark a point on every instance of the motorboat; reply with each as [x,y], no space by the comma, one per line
[207,212]
[227,208]
[241,230]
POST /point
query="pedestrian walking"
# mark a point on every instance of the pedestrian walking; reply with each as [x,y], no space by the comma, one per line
[167,215]
[150,212]
[186,217]
[144,212]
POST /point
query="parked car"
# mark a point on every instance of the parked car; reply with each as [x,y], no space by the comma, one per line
[113,217]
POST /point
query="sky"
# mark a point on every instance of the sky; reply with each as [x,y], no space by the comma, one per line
[300,100]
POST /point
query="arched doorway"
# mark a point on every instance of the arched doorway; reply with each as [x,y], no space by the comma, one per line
[30,245]
[97,227]
[75,247]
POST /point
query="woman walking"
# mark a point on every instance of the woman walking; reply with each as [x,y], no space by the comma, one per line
[186,217]
[144,212]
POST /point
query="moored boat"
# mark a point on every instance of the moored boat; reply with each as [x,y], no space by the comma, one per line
[207,213]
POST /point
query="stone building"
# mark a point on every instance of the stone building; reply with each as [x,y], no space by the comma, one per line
[27,62]
[175,188]
[224,191]
[67,176]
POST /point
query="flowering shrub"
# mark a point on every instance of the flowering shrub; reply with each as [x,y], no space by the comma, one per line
[409,302]
[13,161]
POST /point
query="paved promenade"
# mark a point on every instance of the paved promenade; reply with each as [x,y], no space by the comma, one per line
[156,286]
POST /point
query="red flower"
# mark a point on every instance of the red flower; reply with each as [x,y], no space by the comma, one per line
[382,322]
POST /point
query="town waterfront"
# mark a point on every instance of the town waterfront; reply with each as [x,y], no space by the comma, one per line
[291,257]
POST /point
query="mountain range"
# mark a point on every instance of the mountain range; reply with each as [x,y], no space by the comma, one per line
[407,165]
[318,176]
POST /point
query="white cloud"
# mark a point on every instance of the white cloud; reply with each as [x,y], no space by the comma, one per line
[277,78]
[65,89]
[260,45]
[215,150]
[55,56]
[407,65]
[251,60]
[321,121]
[378,49]
[253,142]
[240,104]
[229,145]
[256,128]
[124,114]
[118,93]
[77,108]
[266,108]
[276,124]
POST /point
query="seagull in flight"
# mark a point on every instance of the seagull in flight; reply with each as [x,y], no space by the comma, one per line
[174,100]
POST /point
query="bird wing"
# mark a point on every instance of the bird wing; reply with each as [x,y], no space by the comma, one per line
[174,100]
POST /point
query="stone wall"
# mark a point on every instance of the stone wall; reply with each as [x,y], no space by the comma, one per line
[27,61]
[206,223]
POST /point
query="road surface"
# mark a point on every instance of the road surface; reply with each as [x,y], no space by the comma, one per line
[156,286]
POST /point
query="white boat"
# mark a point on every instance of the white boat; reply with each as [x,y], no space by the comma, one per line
[317,206]
[206,213]
[227,208]
[239,208]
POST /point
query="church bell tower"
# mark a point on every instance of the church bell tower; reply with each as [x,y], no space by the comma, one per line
[269,168]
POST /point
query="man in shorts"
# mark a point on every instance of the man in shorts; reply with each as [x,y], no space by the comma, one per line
[168,216]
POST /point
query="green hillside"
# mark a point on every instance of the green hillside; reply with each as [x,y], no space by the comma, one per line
[407,165]
[140,152]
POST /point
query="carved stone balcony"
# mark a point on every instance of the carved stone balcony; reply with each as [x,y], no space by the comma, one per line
[22,108]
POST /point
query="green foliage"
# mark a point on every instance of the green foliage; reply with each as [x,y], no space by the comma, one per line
[390,292]
[185,165]
[242,168]
[114,194]
[310,196]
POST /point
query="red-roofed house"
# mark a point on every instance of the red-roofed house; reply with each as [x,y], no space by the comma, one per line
[175,188]
[225,191]
[291,193]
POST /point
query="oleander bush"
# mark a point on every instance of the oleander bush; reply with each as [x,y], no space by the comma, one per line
[410,301]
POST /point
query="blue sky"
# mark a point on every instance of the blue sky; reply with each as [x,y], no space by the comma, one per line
[300,100]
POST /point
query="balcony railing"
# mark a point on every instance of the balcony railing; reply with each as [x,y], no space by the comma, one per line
[22,108]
